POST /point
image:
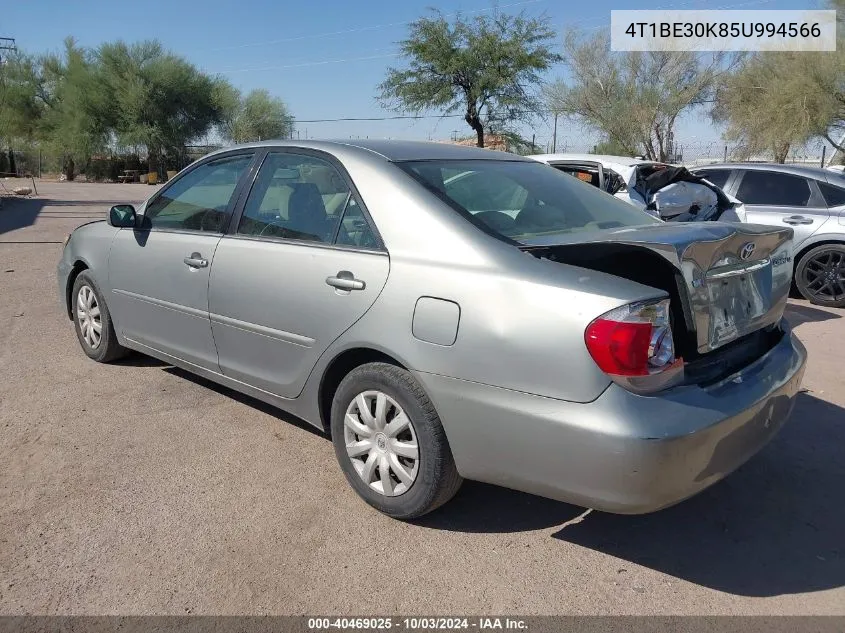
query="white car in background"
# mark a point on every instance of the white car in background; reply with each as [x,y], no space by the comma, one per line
[669,192]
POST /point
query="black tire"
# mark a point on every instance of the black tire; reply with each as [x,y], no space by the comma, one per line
[437,479]
[107,349]
[820,275]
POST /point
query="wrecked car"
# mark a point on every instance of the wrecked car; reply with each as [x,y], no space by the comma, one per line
[448,313]
[669,192]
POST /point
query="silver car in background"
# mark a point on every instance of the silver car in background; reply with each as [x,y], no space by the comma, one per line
[540,335]
[811,200]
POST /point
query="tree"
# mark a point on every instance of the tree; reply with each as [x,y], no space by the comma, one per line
[256,117]
[76,119]
[20,107]
[610,148]
[633,98]
[486,68]
[161,101]
[779,100]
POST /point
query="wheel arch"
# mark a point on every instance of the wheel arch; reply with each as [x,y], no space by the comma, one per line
[822,241]
[78,266]
[338,368]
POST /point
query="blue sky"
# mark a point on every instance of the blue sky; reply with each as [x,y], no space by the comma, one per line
[323,57]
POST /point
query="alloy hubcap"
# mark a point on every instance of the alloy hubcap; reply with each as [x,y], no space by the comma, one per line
[88,315]
[824,275]
[381,443]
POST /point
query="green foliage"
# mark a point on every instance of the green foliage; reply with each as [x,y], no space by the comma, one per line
[777,100]
[611,148]
[20,107]
[258,116]
[161,100]
[75,116]
[633,98]
[486,68]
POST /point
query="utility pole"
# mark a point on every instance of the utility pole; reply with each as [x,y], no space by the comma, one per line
[554,136]
[726,154]
[7,44]
[824,148]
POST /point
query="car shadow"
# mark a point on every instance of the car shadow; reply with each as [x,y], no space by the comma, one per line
[18,213]
[799,313]
[774,527]
[249,401]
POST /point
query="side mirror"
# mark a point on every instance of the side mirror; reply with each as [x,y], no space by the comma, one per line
[122,216]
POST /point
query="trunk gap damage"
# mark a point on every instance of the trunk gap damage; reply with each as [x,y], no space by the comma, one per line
[727,283]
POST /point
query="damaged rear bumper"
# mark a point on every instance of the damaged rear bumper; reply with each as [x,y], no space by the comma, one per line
[622,453]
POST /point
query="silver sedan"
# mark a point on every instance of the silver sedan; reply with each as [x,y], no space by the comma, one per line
[449,313]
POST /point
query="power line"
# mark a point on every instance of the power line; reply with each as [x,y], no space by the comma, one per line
[306,64]
[364,28]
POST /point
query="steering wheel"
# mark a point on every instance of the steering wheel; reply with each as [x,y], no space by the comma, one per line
[274,223]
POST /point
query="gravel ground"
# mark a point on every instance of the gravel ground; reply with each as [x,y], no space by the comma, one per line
[136,488]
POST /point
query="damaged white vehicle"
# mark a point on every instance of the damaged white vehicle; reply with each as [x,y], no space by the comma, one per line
[668,192]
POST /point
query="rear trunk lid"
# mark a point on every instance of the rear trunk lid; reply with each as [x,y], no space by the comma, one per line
[726,280]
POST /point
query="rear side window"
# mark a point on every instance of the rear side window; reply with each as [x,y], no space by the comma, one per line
[833,196]
[773,188]
[718,177]
[523,200]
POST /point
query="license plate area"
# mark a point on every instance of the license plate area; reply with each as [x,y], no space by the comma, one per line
[738,302]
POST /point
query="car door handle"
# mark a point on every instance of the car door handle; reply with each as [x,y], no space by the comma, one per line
[196,261]
[345,280]
[797,219]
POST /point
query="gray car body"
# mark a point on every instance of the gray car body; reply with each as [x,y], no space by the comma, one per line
[813,224]
[493,334]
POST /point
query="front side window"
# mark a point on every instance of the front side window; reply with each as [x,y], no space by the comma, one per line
[296,197]
[774,189]
[522,200]
[198,200]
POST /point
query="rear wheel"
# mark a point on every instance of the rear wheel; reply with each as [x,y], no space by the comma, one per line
[820,275]
[94,327]
[390,443]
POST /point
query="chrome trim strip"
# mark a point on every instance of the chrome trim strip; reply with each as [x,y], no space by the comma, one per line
[261,330]
[732,271]
[194,312]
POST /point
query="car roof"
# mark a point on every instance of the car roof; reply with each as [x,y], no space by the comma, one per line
[600,158]
[392,150]
[807,171]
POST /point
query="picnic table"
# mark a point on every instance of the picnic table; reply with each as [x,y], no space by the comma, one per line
[128,175]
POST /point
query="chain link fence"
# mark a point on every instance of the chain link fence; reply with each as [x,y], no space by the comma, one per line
[111,167]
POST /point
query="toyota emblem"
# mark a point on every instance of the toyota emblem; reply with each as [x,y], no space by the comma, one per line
[747,250]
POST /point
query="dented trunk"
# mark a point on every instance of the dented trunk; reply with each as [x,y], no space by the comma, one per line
[726,281]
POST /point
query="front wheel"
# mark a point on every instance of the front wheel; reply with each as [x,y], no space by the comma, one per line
[390,443]
[94,327]
[820,275]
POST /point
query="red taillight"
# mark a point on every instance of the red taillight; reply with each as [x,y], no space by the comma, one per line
[634,340]
[619,348]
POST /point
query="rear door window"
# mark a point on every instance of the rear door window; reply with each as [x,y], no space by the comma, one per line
[833,196]
[297,197]
[774,189]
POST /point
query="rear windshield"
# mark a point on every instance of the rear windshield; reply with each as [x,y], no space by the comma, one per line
[522,200]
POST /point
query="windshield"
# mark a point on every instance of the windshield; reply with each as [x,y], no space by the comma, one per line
[522,200]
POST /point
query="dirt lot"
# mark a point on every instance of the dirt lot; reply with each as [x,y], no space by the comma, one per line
[136,488]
